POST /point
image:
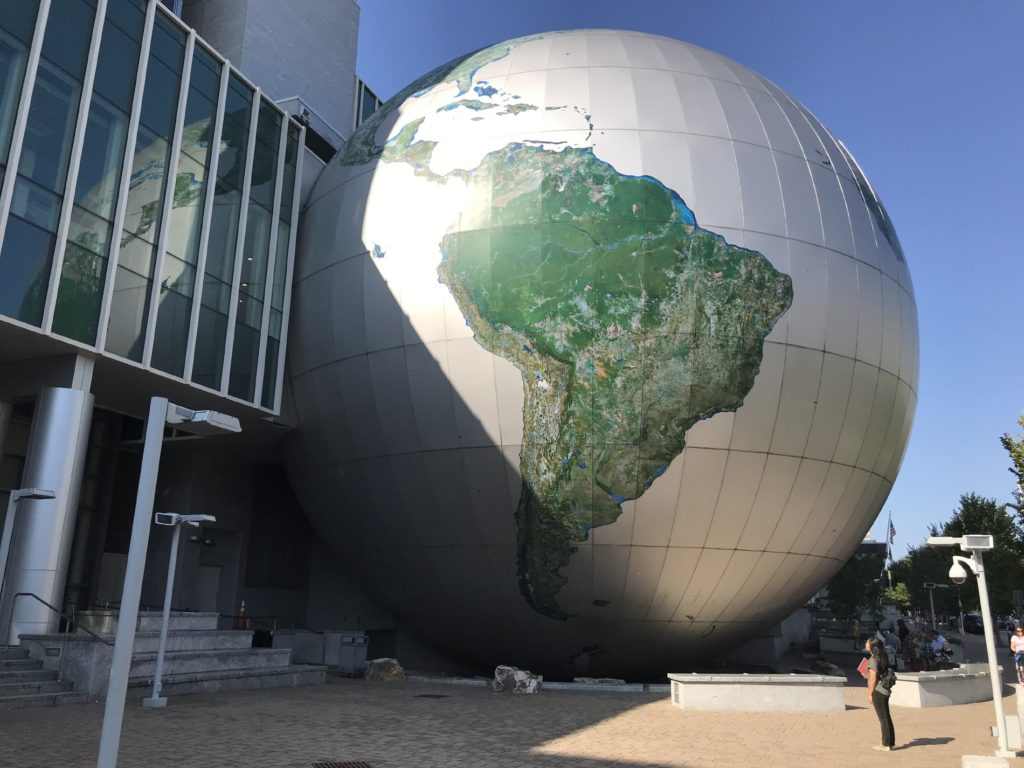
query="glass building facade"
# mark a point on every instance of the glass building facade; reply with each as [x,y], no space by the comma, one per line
[148,195]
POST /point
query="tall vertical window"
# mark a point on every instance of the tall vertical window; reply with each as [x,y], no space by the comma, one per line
[80,290]
[17,23]
[220,253]
[268,394]
[129,307]
[43,166]
[178,278]
[255,256]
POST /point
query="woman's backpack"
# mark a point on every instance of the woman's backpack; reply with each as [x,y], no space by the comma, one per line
[888,678]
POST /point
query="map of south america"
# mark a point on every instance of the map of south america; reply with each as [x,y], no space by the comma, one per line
[628,322]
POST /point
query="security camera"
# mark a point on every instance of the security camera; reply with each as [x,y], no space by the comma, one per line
[957,574]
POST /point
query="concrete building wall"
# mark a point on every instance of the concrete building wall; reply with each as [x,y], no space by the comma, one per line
[305,49]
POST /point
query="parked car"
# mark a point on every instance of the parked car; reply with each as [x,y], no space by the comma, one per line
[974,624]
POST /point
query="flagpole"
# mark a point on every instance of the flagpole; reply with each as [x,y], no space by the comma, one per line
[885,562]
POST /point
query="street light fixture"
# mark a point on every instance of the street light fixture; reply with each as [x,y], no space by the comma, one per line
[12,509]
[156,701]
[975,545]
[161,412]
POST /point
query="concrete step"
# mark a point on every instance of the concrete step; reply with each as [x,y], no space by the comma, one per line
[34,686]
[10,653]
[194,640]
[18,665]
[215,681]
[175,662]
[27,675]
[105,622]
[43,700]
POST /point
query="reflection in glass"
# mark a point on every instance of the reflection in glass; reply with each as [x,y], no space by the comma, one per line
[99,174]
[29,241]
[129,307]
[17,23]
[208,362]
[177,280]
[255,255]
[268,393]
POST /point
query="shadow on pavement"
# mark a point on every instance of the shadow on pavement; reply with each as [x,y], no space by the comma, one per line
[923,742]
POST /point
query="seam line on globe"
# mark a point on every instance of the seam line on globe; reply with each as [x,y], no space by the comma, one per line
[397,347]
[869,472]
[714,229]
[372,165]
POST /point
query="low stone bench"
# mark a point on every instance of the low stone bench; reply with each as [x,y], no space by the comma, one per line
[942,688]
[758,693]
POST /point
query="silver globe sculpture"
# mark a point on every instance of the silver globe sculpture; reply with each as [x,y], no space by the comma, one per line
[604,355]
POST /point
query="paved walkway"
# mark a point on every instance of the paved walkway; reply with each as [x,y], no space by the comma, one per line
[424,725]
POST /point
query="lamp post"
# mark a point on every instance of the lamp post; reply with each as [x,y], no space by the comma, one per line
[161,412]
[975,545]
[931,586]
[156,701]
[12,509]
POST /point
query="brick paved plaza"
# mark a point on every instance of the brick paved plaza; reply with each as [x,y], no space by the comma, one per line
[394,725]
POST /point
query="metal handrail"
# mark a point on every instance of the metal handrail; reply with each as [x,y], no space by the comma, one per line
[68,622]
[69,619]
[275,624]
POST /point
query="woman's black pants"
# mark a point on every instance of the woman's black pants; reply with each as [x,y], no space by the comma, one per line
[881,704]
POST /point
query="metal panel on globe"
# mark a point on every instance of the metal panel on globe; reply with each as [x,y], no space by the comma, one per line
[604,353]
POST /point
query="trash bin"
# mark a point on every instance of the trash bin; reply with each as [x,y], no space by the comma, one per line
[352,654]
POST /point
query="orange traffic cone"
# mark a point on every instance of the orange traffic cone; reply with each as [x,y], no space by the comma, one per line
[241,622]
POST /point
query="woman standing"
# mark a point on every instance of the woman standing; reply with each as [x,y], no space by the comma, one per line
[878,694]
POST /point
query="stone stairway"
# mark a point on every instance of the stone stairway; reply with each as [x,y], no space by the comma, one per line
[24,683]
[200,658]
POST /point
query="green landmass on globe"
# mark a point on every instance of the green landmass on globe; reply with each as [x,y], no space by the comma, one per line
[628,322]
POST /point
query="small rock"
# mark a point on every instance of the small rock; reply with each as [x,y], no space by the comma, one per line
[513,680]
[599,680]
[823,667]
[383,670]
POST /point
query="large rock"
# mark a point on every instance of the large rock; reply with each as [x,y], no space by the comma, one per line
[513,680]
[383,670]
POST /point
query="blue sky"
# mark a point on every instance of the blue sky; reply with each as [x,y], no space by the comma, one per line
[930,100]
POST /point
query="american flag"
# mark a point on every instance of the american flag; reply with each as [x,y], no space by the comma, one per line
[892,532]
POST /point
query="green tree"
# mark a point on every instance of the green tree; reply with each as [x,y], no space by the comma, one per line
[1004,565]
[856,586]
[1015,447]
[897,594]
[922,565]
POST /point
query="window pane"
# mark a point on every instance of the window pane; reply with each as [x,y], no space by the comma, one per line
[50,128]
[17,23]
[280,266]
[242,381]
[68,32]
[268,393]
[220,254]
[42,168]
[128,314]
[172,320]
[264,168]
[99,174]
[146,189]
[212,333]
[23,279]
[78,299]
[118,62]
[83,273]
